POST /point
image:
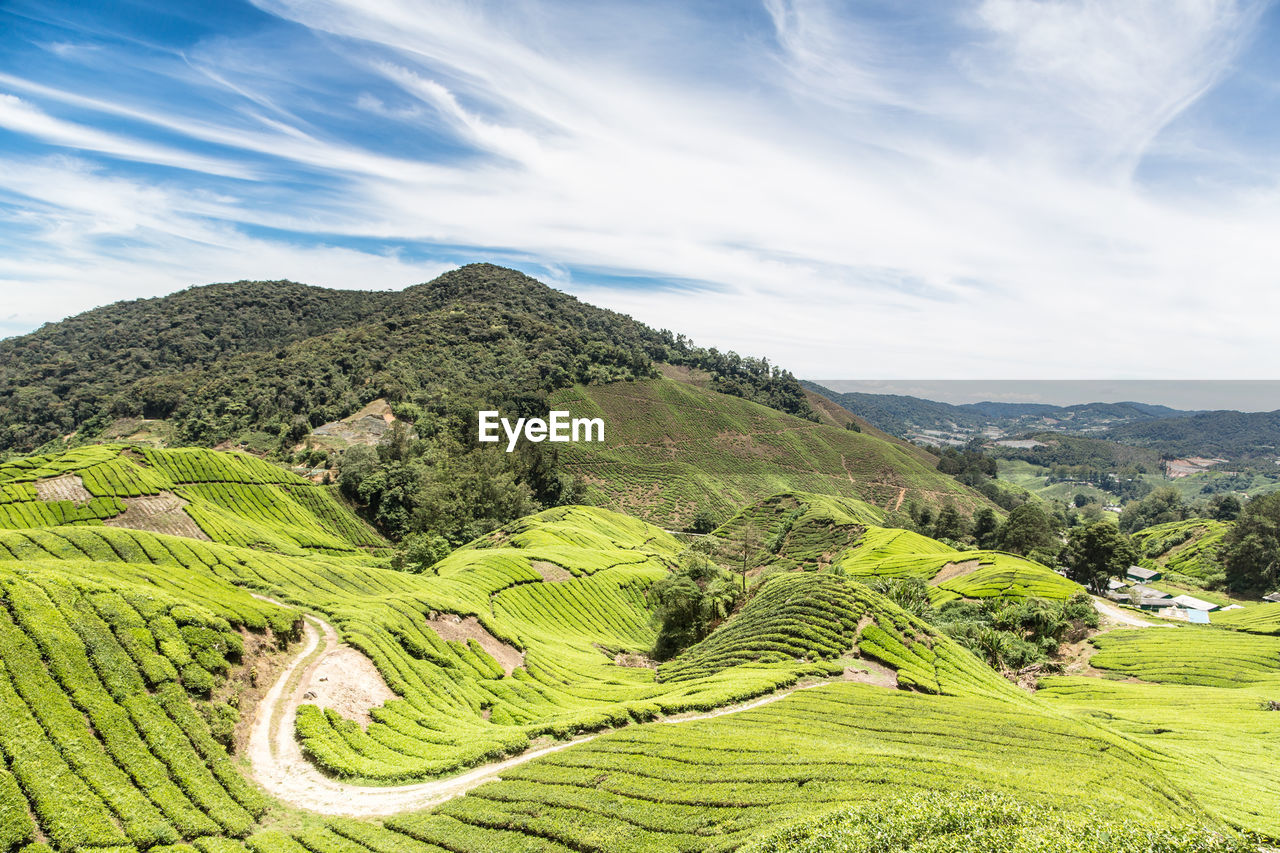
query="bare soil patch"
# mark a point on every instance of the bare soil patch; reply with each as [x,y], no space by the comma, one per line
[954,570]
[68,487]
[453,627]
[162,513]
[349,683]
[872,672]
[551,573]
[634,660]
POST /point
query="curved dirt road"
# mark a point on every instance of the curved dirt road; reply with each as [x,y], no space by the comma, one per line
[279,766]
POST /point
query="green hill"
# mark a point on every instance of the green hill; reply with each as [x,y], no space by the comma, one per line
[127,655]
[1187,551]
[267,361]
[672,449]
[232,498]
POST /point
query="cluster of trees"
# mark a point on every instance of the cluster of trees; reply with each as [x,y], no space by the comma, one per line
[1251,548]
[278,358]
[420,489]
[690,602]
[1028,530]
[1008,634]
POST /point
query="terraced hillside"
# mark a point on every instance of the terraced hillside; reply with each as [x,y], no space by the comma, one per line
[232,498]
[1187,551]
[116,644]
[672,449]
[804,530]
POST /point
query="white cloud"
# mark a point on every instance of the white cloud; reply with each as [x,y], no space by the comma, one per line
[857,215]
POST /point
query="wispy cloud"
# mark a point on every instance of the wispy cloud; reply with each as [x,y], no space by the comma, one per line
[888,193]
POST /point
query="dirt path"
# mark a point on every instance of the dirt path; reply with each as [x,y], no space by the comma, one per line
[1116,614]
[279,766]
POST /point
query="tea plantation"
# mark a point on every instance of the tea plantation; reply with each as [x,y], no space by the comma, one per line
[672,449]
[115,641]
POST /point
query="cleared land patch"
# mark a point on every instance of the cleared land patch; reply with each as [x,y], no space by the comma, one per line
[162,513]
[68,487]
[467,630]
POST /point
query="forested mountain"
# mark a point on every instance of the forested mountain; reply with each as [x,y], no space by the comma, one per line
[280,358]
[929,420]
[1235,435]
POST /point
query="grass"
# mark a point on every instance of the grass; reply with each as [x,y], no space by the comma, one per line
[672,449]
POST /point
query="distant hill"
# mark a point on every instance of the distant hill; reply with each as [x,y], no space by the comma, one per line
[673,448]
[275,359]
[1235,435]
[944,423]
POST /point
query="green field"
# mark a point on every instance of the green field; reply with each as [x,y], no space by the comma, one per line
[116,645]
[672,449]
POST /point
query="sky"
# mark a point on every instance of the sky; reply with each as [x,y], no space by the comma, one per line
[1187,395]
[970,189]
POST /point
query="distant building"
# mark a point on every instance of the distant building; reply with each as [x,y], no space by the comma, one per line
[1138,573]
[1116,583]
[1275,596]
[1150,591]
[1192,604]
[1198,617]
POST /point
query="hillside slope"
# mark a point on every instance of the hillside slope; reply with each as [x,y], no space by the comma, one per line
[277,358]
[118,646]
[672,449]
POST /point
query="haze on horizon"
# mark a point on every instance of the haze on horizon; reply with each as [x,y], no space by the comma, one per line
[990,188]
[1185,395]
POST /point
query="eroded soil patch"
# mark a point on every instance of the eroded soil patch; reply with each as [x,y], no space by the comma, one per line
[450,626]
[954,570]
[551,573]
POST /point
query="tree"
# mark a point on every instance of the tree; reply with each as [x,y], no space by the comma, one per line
[1225,507]
[420,552]
[702,522]
[1027,528]
[1251,549]
[950,524]
[689,602]
[745,544]
[986,527]
[1160,507]
[1096,552]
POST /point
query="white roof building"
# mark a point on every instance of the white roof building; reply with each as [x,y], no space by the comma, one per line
[1192,603]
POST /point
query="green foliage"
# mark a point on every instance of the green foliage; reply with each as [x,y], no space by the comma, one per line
[1027,528]
[1162,506]
[1010,634]
[1097,552]
[234,360]
[420,552]
[1192,655]
[984,822]
[689,602]
[1251,549]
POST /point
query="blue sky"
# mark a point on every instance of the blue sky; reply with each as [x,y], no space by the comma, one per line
[987,189]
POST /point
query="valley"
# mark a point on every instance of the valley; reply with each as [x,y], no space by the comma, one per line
[308,613]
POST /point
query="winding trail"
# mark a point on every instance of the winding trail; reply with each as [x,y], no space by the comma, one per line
[279,766]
